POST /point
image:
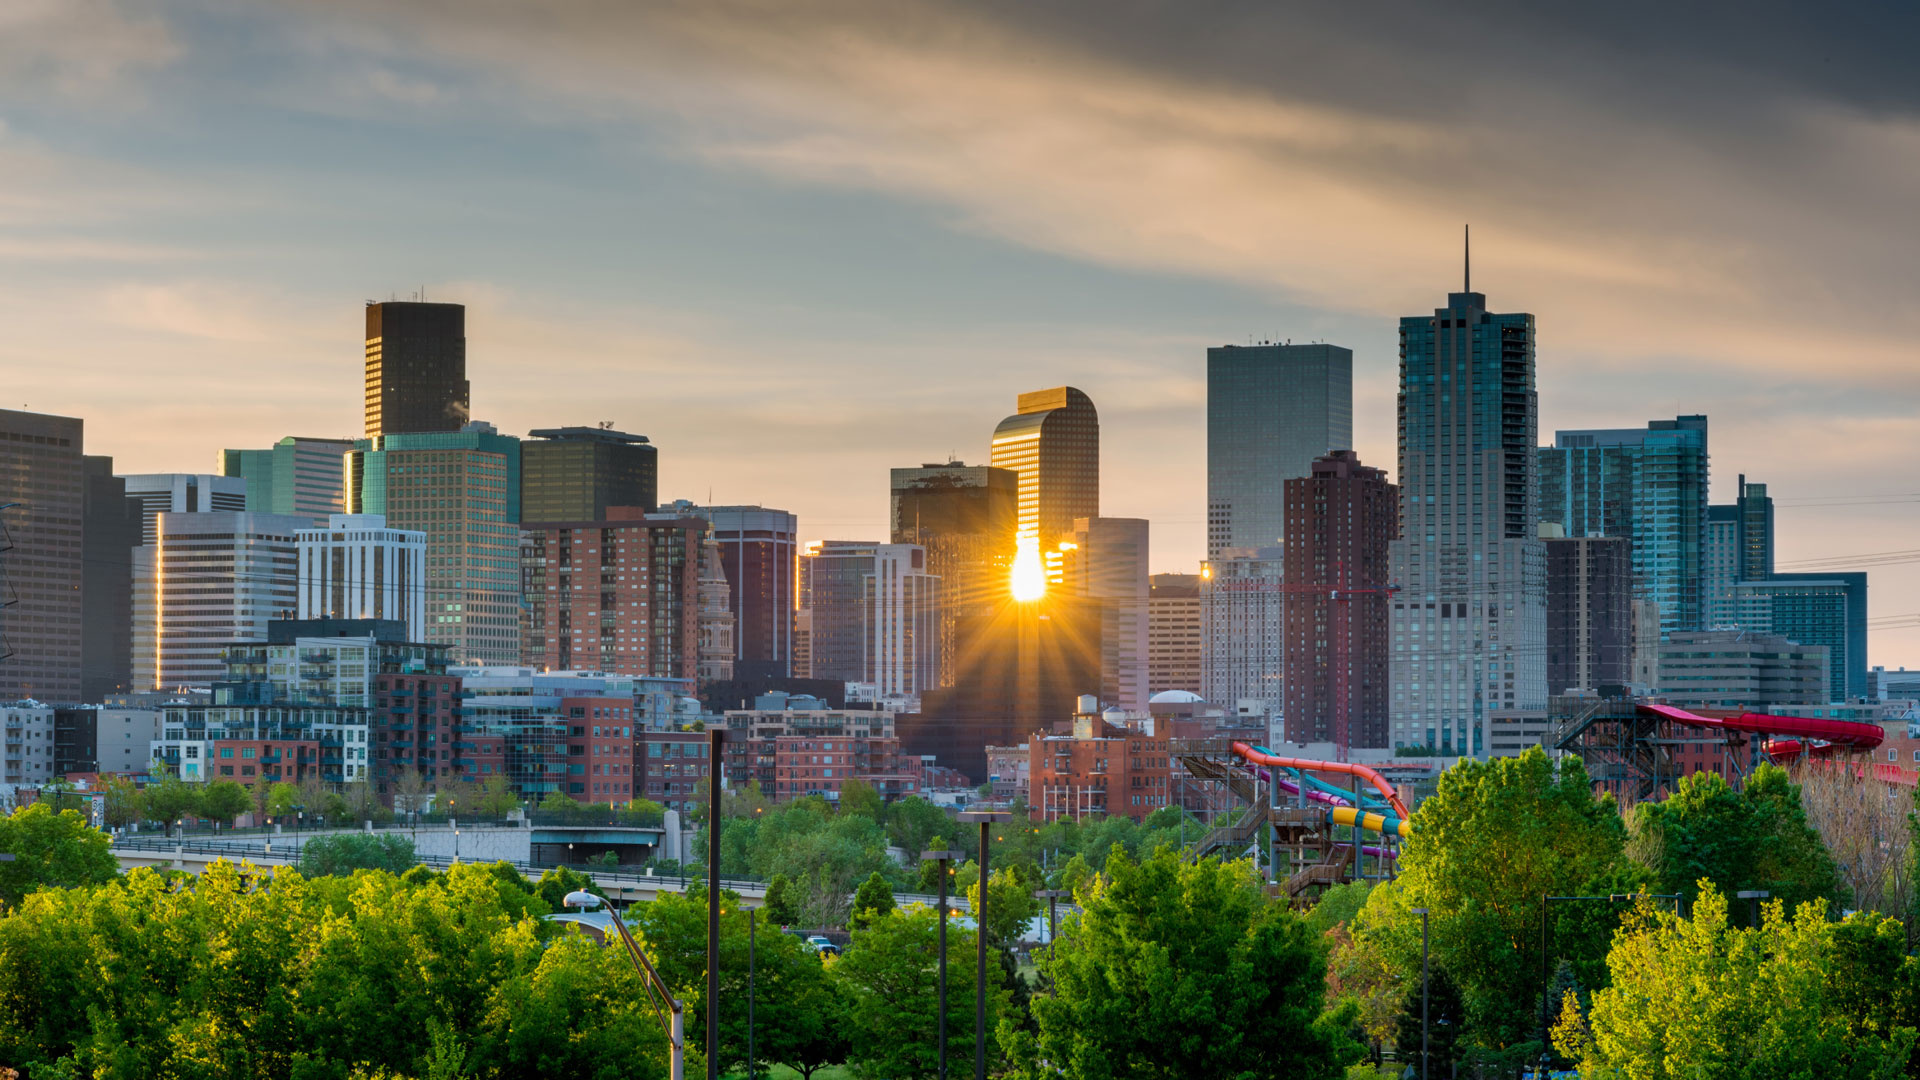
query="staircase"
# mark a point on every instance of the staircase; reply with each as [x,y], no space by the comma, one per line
[1231,837]
[1333,871]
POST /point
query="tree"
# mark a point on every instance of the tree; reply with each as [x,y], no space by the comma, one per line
[555,884]
[171,800]
[1701,999]
[1011,906]
[1756,837]
[1442,1026]
[51,851]
[411,789]
[779,906]
[1182,970]
[889,977]
[363,803]
[873,899]
[495,797]
[124,802]
[342,854]
[282,797]
[224,800]
[315,794]
[859,797]
[1865,832]
[914,825]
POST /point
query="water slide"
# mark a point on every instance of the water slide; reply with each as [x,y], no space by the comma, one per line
[1342,809]
[1805,734]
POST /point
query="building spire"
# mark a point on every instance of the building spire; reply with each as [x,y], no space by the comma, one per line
[1467,285]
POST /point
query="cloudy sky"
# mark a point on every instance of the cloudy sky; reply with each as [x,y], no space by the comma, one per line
[799,243]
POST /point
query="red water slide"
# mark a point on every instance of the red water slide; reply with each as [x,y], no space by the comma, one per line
[1835,734]
[1274,761]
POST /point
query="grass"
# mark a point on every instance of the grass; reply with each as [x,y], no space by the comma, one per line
[781,1072]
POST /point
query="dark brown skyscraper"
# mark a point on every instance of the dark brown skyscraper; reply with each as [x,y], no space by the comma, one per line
[577,473]
[1053,444]
[41,475]
[416,368]
[106,627]
[1589,612]
[1339,522]
[966,517]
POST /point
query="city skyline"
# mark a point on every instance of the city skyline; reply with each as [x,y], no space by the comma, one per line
[834,246]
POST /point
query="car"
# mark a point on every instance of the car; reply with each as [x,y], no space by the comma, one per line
[820,944]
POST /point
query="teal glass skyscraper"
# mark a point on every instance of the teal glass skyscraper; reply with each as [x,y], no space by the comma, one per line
[1272,410]
[294,476]
[1648,485]
[1470,618]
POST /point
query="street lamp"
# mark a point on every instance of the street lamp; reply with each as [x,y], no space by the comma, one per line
[1753,898]
[986,818]
[657,991]
[1052,897]
[943,858]
[1424,921]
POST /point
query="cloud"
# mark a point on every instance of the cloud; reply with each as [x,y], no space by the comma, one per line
[86,49]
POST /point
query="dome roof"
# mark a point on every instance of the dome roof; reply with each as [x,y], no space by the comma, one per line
[1176,697]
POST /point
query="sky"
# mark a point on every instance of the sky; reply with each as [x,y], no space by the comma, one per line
[799,243]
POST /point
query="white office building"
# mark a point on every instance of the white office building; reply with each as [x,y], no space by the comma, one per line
[357,568]
[214,579]
[26,748]
[1242,615]
[903,622]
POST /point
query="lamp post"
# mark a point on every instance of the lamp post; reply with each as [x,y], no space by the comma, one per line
[1424,1014]
[750,922]
[1753,898]
[986,818]
[944,859]
[1052,897]
[715,823]
[673,1019]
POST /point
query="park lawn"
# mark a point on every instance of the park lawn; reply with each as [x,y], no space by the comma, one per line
[781,1072]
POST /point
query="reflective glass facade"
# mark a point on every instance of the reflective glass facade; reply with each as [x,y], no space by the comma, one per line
[1271,411]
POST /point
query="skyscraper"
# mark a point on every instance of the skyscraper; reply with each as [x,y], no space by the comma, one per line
[833,588]
[1053,445]
[461,488]
[1648,485]
[43,476]
[1469,622]
[1106,569]
[757,551]
[576,473]
[622,594]
[1341,520]
[1590,613]
[1173,633]
[218,578]
[357,568]
[106,625]
[902,607]
[1828,609]
[295,476]
[1271,410]
[966,517]
[1754,512]
[416,373]
[183,493]
[1242,620]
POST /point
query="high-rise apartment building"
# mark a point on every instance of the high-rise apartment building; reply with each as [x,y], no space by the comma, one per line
[357,568]
[1590,613]
[966,517]
[901,604]
[1828,609]
[1648,485]
[1053,445]
[757,552]
[183,493]
[106,589]
[1271,411]
[1733,669]
[1469,622]
[577,473]
[621,595]
[218,578]
[1104,565]
[461,488]
[42,547]
[1242,622]
[416,372]
[1341,520]
[1753,510]
[1720,567]
[833,590]
[294,476]
[1173,633]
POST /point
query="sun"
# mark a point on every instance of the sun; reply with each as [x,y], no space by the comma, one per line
[1029,575]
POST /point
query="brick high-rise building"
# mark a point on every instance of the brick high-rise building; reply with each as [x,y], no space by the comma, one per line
[757,551]
[42,475]
[620,595]
[1341,521]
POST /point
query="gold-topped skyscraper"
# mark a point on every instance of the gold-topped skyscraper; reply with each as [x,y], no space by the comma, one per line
[416,368]
[1053,444]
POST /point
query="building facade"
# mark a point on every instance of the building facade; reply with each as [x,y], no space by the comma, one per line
[1733,669]
[1242,626]
[578,473]
[100,740]
[716,619]
[43,476]
[216,579]
[183,493]
[1469,622]
[416,369]
[1173,633]
[967,518]
[294,476]
[1590,613]
[1105,564]
[757,547]
[357,568]
[1341,521]
[833,587]
[1271,411]
[26,748]
[1648,485]
[620,595]
[1829,610]
[462,489]
[1098,770]
[1052,444]
[106,583]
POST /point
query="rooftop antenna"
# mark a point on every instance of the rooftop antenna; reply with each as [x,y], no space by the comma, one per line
[1468,261]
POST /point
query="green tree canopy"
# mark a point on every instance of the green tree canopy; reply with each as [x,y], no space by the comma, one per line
[1755,837]
[859,797]
[779,906]
[874,899]
[51,851]
[342,854]
[171,799]
[889,979]
[1181,970]
[224,800]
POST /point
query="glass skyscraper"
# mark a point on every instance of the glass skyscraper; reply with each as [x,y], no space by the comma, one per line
[1814,609]
[1053,445]
[1648,485]
[1469,621]
[1271,411]
[294,476]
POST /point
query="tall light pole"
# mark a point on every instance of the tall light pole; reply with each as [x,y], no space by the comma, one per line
[673,1018]
[1424,1060]
[944,859]
[1052,897]
[750,921]
[1753,898]
[986,818]
[715,823]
